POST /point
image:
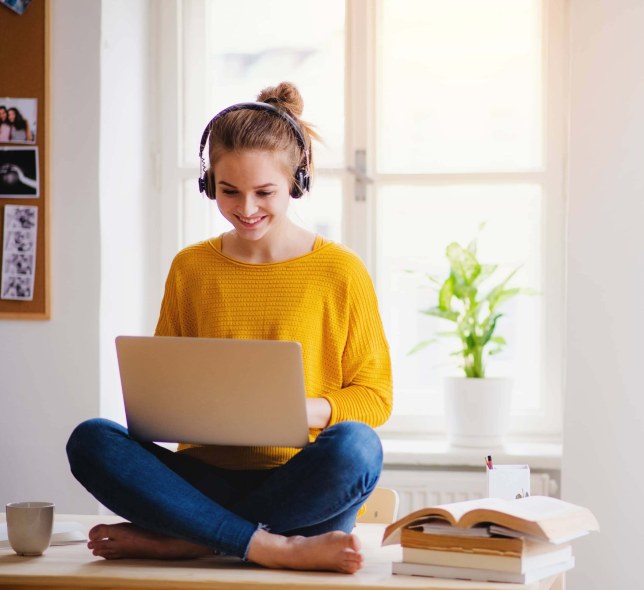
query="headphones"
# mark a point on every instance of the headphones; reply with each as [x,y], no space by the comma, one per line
[302,176]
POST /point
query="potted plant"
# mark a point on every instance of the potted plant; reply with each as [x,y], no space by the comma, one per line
[477,407]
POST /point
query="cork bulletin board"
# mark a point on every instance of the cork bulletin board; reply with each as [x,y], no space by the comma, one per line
[24,160]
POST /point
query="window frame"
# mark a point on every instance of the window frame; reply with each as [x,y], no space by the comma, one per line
[360,217]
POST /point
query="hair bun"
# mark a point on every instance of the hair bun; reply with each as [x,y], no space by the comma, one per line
[285,96]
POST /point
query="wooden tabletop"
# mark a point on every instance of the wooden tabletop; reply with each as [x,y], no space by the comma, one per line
[73,566]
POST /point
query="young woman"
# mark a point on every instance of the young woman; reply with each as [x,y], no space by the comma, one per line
[5,127]
[19,126]
[267,278]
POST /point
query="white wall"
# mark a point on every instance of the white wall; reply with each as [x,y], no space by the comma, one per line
[604,404]
[57,373]
[127,212]
[50,369]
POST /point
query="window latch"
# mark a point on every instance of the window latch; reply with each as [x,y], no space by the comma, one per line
[360,173]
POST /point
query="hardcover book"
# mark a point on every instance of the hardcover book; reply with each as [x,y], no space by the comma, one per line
[536,517]
[461,573]
[488,561]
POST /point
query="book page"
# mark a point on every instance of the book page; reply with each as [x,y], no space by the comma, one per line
[459,509]
[541,516]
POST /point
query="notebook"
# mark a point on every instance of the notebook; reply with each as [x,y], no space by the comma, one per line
[213,391]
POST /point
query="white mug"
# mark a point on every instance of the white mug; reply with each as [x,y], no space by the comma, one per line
[29,526]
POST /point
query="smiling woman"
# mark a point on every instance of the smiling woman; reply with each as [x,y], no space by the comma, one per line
[265,279]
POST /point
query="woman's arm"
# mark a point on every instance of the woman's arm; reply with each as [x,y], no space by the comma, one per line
[367,391]
[22,178]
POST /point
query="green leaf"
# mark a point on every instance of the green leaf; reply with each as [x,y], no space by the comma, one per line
[464,265]
[490,329]
[487,270]
[469,340]
[493,296]
[421,345]
[500,297]
[452,316]
[464,291]
[433,279]
[446,293]
[448,334]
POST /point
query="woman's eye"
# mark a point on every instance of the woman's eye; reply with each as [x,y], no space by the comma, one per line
[264,193]
[229,192]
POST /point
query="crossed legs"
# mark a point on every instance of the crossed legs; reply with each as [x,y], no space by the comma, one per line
[298,515]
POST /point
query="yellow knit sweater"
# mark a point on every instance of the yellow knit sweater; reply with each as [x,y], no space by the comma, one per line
[325,300]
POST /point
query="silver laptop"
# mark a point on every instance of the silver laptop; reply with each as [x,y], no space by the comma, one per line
[213,391]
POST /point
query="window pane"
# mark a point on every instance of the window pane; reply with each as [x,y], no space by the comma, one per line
[234,49]
[460,87]
[201,217]
[320,211]
[415,226]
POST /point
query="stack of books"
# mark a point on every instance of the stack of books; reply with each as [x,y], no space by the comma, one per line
[520,541]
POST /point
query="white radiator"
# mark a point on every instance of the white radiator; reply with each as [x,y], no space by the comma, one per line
[417,489]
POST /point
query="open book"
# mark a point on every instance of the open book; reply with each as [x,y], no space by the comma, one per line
[535,517]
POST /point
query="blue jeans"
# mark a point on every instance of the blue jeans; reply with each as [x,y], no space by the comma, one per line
[319,490]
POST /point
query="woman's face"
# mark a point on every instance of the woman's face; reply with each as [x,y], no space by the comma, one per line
[252,189]
[12,115]
[3,114]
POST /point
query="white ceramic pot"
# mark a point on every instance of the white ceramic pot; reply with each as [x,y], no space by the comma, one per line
[477,411]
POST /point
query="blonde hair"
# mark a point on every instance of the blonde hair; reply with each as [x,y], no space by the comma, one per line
[246,129]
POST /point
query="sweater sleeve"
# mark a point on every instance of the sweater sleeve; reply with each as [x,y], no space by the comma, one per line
[169,323]
[367,391]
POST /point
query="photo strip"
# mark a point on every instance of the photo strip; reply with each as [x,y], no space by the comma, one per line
[18,120]
[19,252]
[19,172]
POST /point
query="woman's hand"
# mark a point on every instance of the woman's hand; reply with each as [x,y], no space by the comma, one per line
[318,412]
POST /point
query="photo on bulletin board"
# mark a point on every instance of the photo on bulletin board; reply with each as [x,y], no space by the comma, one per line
[18,6]
[19,172]
[19,252]
[18,120]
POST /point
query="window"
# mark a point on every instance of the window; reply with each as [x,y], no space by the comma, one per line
[453,111]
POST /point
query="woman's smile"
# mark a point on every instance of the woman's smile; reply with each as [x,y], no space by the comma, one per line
[250,221]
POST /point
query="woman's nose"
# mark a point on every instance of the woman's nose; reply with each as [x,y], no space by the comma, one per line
[248,206]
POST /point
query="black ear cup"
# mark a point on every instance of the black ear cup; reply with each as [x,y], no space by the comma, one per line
[210,186]
[207,185]
[302,182]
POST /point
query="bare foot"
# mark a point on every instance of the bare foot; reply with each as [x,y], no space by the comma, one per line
[335,551]
[123,540]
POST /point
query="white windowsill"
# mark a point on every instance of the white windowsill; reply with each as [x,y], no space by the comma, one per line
[427,453]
